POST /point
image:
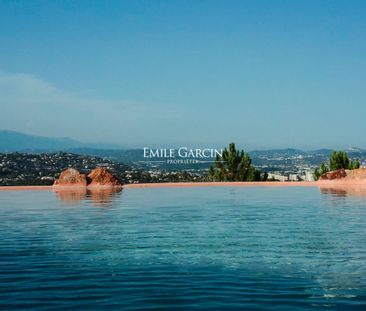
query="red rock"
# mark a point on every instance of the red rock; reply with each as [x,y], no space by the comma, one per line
[357,174]
[103,177]
[338,174]
[71,177]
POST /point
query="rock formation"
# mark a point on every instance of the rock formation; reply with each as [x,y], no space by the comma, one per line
[357,175]
[97,177]
[341,173]
[103,177]
[71,177]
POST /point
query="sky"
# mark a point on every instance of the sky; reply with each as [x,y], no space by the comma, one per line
[263,74]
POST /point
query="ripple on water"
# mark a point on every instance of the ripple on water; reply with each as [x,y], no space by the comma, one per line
[184,248]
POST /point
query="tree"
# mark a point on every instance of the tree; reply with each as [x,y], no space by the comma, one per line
[355,164]
[316,174]
[234,165]
[320,171]
[323,169]
[338,160]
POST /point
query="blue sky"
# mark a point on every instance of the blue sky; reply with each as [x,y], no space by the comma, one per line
[265,74]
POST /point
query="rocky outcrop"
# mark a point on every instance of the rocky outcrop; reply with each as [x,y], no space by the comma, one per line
[97,177]
[356,175]
[341,173]
[71,177]
[103,177]
[348,176]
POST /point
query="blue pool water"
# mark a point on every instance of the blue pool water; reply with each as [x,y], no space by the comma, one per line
[214,248]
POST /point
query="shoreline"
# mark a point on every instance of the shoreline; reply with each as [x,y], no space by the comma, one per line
[201,184]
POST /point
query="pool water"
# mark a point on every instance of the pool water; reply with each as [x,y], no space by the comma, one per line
[202,248]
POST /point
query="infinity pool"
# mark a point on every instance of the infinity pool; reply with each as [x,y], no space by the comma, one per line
[204,248]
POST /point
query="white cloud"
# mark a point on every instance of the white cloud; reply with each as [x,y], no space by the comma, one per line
[32,105]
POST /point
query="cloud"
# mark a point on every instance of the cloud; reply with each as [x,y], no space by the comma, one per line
[32,105]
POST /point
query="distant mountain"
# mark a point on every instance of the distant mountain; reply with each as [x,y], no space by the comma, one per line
[321,151]
[272,159]
[11,141]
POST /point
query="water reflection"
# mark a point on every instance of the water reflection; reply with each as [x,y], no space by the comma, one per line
[98,196]
[344,191]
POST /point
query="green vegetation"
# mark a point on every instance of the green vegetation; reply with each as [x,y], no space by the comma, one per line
[338,160]
[234,165]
